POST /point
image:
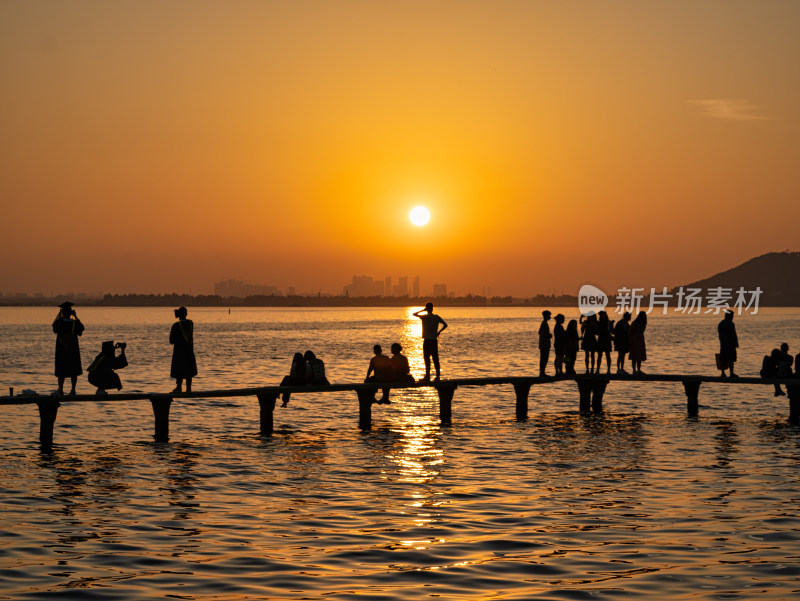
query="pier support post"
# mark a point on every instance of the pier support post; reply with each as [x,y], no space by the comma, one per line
[522,390]
[585,394]
[598,390]
[48,410]
[266,403]
[161,404]
[692,389]
[365,399]
[794,404]
[445,403]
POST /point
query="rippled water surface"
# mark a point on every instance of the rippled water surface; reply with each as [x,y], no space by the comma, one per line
[639,502]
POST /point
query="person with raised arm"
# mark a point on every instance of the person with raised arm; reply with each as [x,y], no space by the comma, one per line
[430,339]
[67,328]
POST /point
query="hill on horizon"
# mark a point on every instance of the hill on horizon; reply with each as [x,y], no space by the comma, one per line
[776,273]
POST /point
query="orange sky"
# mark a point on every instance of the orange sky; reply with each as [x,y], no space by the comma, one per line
[157,147]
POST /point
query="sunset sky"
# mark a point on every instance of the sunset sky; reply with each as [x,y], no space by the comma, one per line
[163,146]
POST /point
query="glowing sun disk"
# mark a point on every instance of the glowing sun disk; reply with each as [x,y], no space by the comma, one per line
[419,216]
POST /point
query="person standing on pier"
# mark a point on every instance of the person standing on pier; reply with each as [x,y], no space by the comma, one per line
[573,341]
[604,337]
[430,338]
[589,341]
[67,328]
[638,347]
[622,341]
[544,343]
[728,342]
[559,344]
[181,337]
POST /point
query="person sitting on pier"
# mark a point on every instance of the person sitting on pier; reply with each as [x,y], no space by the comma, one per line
[559,344]
[430,338]
[315,370]
[622,341]
[398,363]
[181,337]
[296,377]
[67,328]
[572,342]
[544,343]
[638,351]
[728,343]
[379,370]
[101,371]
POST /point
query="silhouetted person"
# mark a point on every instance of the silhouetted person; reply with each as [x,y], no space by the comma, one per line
[728,342]
[67,328]
[589,341]
[559,344]
[572,346]
[181,337]
[398,363]
[430,338]
[296,377]
[769,369]
[604,336]
[638,347]
[315,370]
[544,343]
[784,367]
[379,370]
[101,371]
[622,341]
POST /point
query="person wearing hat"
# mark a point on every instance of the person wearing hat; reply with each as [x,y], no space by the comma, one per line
[181,337]
[544,343]
[101,371]
[430,338]
[67,328]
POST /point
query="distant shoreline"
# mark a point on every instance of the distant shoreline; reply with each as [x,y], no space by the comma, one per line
[176,300]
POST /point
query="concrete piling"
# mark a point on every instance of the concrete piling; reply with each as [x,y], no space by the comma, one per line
[48,410]
[522,390]
[266,403]
[161,405]
[692,389]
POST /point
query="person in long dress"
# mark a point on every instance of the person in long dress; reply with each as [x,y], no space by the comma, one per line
[728,343]
[181,337]
[67,328]
[638,352]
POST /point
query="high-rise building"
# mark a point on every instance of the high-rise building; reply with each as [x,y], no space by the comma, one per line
[401,289]
[439,290]
[387,286]
[364,285]
[415,287]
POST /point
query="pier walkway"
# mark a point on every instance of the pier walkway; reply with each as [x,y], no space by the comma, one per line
[591,388]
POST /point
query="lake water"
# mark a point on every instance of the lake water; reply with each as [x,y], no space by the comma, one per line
[639,502]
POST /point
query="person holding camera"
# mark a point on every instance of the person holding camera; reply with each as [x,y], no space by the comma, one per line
[67,328]
[101,371]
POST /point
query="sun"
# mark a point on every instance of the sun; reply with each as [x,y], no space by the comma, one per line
[419,216]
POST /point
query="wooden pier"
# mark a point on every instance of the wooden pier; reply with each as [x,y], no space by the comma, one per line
[591,388]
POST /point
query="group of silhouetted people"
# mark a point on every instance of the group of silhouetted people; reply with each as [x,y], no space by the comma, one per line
[103,370]
[306,370]
[596,336]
